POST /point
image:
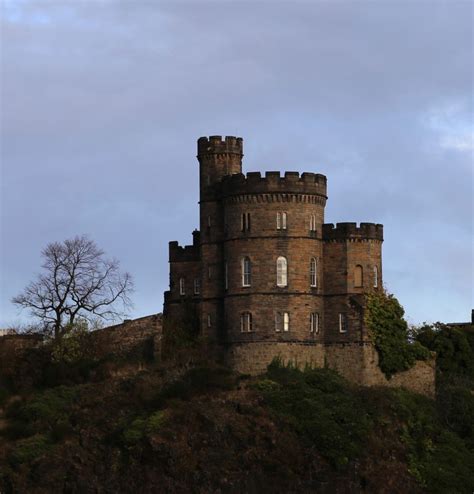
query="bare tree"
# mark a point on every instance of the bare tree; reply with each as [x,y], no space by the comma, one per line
[78,282]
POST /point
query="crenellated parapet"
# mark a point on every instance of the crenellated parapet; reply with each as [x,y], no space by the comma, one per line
[350,231]
[187,253]
[219,145]
[274,183]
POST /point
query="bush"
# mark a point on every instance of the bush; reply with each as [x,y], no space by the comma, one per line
[140,427]
[29,449]
[321,407]
[199,380]
[389,332]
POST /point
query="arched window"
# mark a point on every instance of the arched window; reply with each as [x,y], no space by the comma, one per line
[312,223]
[313,272]
[376,277]
[358,276]
[182,287]
[246,322]
[246,271]
[282,272]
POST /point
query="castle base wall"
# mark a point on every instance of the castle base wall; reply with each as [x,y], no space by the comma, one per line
[254,358]
[356,362]
[359,363]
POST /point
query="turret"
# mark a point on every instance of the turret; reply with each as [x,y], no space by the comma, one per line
[217,158]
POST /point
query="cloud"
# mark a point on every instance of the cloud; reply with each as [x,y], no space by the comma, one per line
[102,103]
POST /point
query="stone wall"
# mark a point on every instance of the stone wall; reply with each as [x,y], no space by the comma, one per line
[357,362]
[138,338]
[253,358]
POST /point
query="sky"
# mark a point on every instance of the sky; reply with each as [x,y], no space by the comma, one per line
[102,104]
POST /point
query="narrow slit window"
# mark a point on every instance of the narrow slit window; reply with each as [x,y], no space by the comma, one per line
[182,287]
[286,321]
[282,272]
[313,272]
[281,220]
[314,322]
[209,321]
[358,276]
[226,276]
[342,323]
[246,322]
[197,286]
[376,277]
[246,271]
[312,223]
[245,222]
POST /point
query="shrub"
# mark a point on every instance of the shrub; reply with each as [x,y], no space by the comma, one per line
[140,427]
[196,381]
[29,449]
[389,332]
[321,407]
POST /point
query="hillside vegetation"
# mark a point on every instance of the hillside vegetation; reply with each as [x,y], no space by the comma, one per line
[208,430]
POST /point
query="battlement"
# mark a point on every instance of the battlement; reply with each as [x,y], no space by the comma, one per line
[273,182]
[178,253]
[346,231]
[219,145]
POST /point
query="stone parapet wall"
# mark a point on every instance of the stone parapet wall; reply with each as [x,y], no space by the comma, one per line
[138,337]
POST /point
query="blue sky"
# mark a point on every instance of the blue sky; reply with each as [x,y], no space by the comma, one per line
[102,103]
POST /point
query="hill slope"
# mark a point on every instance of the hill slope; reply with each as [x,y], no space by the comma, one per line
[210,430]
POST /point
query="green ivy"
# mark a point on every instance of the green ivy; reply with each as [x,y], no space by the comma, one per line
[389,332]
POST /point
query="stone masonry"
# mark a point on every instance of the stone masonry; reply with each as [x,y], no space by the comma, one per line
[268,276]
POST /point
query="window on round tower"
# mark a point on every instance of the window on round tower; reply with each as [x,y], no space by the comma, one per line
[282,272]
[358,276]
[281,220]
[246,271]
[313,272]
[376,277]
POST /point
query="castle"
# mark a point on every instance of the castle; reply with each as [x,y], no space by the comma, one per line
[268,276]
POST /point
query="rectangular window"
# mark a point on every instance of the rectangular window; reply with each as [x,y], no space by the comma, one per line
[246,322]
[182,287]
[312,223]
[246,272]
[286,321]
[282,321]
[342,323]
[197,286]
[281,221]
[376,277]
[314,322]
[209,322]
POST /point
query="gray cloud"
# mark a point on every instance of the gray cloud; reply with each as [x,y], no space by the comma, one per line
[102,104]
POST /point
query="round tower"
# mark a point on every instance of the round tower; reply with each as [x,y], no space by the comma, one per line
[273,257]
[217,158]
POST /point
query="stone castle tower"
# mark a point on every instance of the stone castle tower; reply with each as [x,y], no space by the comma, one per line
[266,274]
